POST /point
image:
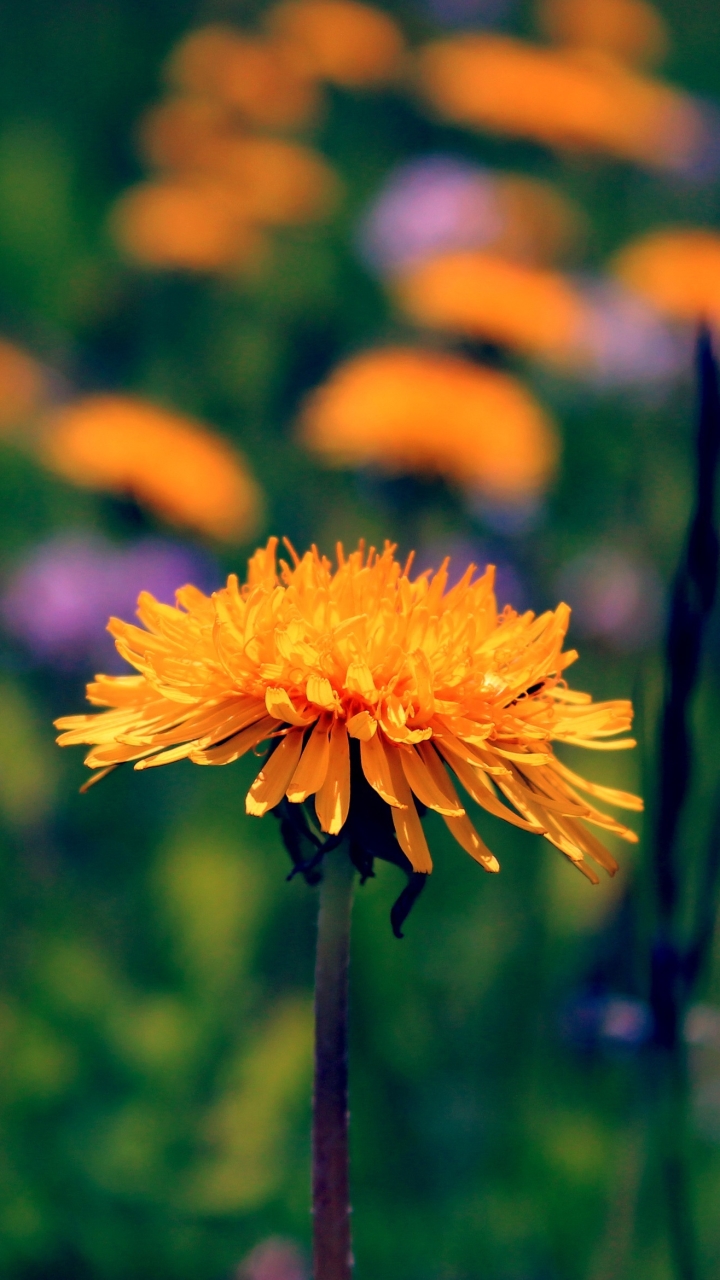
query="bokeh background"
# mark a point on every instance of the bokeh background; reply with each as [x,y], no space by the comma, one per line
[429,273]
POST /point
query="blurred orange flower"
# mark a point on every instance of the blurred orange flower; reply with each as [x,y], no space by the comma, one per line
[176,133]
[22,385]
[271,180]
[184,224]
[631,30]
[409,410]
[678,270]
[571,99]
[485,296]
[169,463]
[342,41]
[262,80]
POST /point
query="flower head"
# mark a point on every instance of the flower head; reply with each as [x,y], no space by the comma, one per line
[171,464]
[342,41]
[262,80]
[403,410]
[483,295]
[365,666]
[631,30]
[676,269]
[186,223]
[573,99]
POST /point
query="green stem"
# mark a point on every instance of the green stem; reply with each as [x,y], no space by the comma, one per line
[332,1249]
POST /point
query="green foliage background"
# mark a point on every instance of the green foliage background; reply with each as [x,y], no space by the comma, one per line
[155,967]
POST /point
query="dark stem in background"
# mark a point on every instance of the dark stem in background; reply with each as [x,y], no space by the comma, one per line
[692,602]
[674,967]
[332,1249]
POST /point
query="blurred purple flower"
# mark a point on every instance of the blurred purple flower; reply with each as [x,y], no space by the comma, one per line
[274,1259]
[594,1021]
[613,598]
[702,164]
[428,206]
[507,519]
[468,13]
[58,601]
[626,342]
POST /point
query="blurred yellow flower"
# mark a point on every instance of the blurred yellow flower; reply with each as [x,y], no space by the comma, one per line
[23,387]
[573,99]
[185,224]
[167,462]
[262,80]
[486,296]
[677,269]
[342,41]
[408,410]
[631,30]
[364,669]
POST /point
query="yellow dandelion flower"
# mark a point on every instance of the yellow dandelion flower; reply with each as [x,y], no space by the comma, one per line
[369,675]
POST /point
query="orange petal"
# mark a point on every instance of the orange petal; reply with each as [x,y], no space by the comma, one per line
[408,827]
[622,799]
[375,767]
[363,725]
[310,773]
[168,757]
[280,705]
[466,836]
[428,787]
[320,691]
[481,791]
[269,787]
[235,747]
[332,801]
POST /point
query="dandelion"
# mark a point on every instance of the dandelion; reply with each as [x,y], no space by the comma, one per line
[482,295]
[677,270]
[376,690]
[631,30]
[406,410]
[567,99]
[341,41]
[171,464]
[425,683]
